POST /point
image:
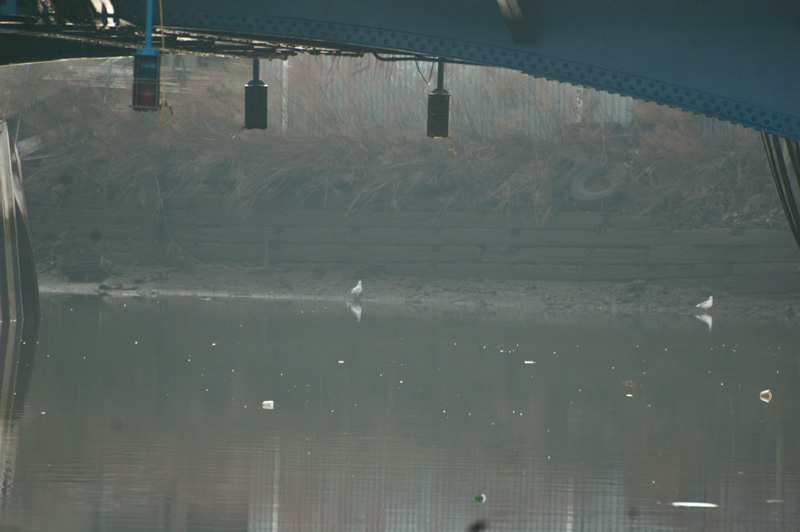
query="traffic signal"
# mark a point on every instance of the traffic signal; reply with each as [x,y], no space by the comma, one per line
[146,80]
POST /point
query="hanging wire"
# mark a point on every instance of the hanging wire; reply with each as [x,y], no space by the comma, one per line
[430,74]
[451,140]
[165,105]
[161,14]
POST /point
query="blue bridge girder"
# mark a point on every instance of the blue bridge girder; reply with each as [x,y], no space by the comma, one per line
[736,60]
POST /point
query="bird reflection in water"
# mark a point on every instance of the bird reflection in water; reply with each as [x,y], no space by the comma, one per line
[355,308]
[707,319]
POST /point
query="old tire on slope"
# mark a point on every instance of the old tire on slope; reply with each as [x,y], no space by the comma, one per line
[585,197]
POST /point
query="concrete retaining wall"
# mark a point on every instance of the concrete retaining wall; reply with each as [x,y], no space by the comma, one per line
[575,246]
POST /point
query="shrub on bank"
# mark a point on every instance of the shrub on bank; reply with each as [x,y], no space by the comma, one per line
[350,134]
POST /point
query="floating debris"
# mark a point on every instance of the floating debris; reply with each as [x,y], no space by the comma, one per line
[695,505]
[765,396]
[481,498]
[629,384]
[478,526]
[268,405]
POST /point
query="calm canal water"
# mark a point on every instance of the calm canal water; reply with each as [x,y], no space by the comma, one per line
[150,415]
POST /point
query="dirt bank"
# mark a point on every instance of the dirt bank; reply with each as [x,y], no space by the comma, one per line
[496,296]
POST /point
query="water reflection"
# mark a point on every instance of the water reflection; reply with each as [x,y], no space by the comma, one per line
[355,308]
[149,415]
[707,319]
[18,340]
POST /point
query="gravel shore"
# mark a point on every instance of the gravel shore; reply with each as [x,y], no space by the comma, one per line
[498,296]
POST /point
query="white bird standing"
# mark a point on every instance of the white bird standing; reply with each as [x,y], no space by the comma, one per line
[356,291]
[707,304]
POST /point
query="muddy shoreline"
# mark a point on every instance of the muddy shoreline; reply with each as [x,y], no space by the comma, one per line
[519,298]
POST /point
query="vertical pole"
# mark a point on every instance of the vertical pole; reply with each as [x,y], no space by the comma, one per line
[256,73]
[147,70]
[440,76]
[148,39]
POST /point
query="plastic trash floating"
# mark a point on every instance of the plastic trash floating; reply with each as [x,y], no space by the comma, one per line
[268,405]
[682,504]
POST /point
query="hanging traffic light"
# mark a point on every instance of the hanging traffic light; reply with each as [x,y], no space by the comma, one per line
[438,114]
[255,101]
[147,70]
[146,80]
[439,108]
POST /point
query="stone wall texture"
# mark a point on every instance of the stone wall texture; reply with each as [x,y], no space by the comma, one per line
[570,246]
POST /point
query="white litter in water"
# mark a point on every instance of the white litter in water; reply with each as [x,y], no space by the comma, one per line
[268,405]
[695,505]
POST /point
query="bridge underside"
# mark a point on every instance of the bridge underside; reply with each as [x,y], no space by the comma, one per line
[737,61]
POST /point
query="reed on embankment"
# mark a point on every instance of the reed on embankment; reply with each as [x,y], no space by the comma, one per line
[351,132]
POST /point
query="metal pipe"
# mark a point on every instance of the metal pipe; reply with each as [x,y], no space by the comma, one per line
[256,73]
[440,79]
[772,144]
[148,41]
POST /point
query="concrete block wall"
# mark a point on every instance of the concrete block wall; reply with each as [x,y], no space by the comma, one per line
[570,246]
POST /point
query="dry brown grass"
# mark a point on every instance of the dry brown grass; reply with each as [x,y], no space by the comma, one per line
[703,175]
[377,158]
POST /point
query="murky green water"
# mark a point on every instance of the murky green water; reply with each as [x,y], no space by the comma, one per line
[148,415]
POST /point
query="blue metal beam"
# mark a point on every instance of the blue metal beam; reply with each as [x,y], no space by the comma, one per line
[737,60]
[8,7]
